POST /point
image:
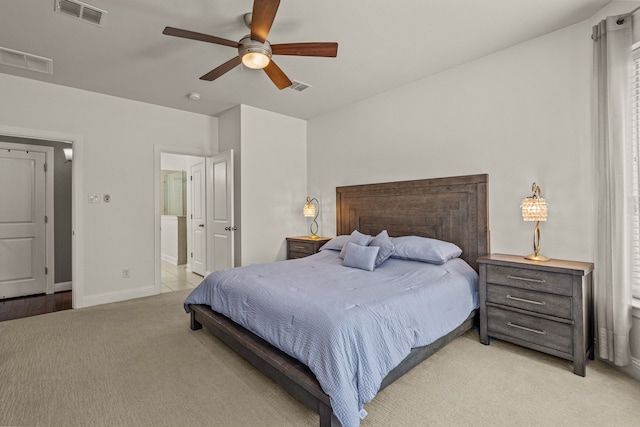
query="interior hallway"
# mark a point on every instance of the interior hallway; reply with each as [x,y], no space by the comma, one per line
[176,277]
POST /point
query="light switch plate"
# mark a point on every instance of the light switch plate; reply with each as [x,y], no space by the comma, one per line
[94,198]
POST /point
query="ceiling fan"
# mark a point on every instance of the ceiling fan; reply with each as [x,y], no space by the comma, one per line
[254,51]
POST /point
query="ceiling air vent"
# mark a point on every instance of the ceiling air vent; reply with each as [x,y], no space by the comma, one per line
[25,61]
[82,11]
[299,86]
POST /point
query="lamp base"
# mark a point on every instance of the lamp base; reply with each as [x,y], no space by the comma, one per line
[534,257]
[314,236]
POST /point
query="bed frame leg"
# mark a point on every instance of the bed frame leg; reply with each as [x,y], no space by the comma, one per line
[327,419]
[194,324]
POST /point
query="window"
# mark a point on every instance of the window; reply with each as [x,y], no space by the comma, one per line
[635,264]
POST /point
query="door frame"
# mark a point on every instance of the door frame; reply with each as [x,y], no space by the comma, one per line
[77,211]
[49,227]
[157,152]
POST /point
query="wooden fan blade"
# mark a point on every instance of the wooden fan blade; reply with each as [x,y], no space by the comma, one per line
[264,12]
[217,72]
[277,76]
[306,49]
[186,34]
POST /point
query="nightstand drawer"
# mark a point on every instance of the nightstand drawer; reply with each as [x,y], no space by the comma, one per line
[302,248]
[296,255]
[537,302]
[543,281]
[555,335]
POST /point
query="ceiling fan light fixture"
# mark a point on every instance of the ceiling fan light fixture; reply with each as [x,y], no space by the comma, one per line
[255,60]
[254,54]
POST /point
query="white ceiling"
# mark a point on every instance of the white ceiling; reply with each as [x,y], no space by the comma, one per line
[382,45]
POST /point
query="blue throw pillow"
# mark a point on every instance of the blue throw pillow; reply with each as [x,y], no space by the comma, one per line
[424,249]
[385,244]
[362,257]
[357,238]
[335,244]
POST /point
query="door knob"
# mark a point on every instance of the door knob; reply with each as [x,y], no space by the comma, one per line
[201,225]
[228,228]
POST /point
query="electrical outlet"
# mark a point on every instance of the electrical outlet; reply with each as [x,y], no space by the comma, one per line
[126,273]
[94,198]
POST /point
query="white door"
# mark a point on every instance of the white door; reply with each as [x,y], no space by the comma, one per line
[198,219]
[223,228]
[22,223]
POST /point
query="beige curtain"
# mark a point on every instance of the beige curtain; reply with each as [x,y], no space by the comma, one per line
[612,138]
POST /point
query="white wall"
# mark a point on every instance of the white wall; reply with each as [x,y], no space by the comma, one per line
[117,157]
[173,162]
[274,183]
[520,115]
[271,180]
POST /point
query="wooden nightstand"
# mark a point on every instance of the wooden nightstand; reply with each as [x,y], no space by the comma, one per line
[302,246]
[546,306]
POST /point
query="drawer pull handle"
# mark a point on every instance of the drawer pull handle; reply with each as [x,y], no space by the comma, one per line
[526,279]
[299,247]
[536,331]
[526,300]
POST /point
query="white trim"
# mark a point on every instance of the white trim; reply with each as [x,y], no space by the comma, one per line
[77,208]
[170,259]
[116,296]
[49,237]
[63,286]
[633,369]
[157,151]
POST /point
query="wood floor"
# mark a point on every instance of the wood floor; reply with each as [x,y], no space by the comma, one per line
[16,308]
[174,277]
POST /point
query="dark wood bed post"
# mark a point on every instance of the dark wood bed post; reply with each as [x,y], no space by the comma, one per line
[194,324]
[454,209]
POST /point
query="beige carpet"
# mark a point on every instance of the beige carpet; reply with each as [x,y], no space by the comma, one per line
[136,363]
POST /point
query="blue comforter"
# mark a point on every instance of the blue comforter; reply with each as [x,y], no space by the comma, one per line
[349,326]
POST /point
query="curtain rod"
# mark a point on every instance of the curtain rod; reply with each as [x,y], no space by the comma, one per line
[621,19]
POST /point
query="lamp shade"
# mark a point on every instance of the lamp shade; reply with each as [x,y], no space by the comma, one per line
[534,208]
[309,209]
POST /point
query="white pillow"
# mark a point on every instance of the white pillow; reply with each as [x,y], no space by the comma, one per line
[357,238]
[385,244]
[362,257]
[424,249]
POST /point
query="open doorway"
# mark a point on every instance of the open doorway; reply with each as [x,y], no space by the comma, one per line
[210,227]
[182,225]
[37,271]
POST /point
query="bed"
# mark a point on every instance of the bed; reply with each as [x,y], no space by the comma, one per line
[451,209]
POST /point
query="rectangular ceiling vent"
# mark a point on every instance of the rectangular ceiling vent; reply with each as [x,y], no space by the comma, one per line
[82,11]
[299,86]
[25,61]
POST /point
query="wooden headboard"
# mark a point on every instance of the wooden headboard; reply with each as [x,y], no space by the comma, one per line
[454,209]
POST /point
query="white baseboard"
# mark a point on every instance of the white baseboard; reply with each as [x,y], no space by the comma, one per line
[116,296]
[633,369]
[169,258]
[62,286]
